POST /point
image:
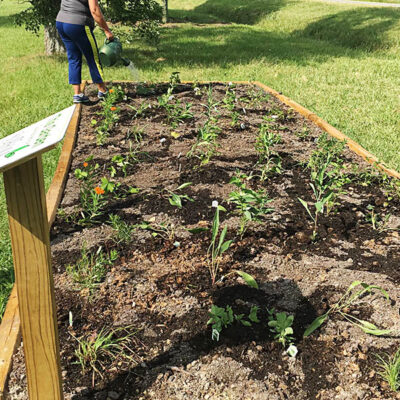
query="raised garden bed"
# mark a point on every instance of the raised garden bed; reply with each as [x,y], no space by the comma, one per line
[150,286]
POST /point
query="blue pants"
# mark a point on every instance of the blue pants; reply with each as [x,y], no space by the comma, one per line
[78,40]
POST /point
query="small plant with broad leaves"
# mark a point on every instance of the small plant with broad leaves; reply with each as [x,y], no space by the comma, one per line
[177,199]
[250,205]
[280,324]
[356,291]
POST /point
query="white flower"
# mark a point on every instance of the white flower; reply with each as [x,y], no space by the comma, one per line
[170,98]
[292,351]
[214,204]
[230,84]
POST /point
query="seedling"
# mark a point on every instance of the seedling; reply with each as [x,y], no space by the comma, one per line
[123,230]
[96,350]
[389,369]
[165,229]
[219,318]
[218,246]
[90,269]
[356,291]
[250,205]
[281,324]
[176,199]
[378,222]
[139,111]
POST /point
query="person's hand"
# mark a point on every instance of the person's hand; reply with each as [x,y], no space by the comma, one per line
[109,35]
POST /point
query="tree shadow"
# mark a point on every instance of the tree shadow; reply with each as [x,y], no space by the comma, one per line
[363,28]
[248,12]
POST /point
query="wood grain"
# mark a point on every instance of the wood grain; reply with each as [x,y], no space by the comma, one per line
[10,337]
[30,239]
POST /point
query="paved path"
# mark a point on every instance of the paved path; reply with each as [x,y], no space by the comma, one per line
[365,3]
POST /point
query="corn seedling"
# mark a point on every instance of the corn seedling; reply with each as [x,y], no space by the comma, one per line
[90,269]
[218,245]
[389,369]
[378,222]
[356,291]
[250,205]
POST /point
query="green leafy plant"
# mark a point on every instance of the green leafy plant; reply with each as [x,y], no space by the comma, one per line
[269,160]
[378,222]
[250,205]
[176,199]
[123,230]
[281,325]
[90,269]
[249,279]
[218,245]
[94,352]
[356,291]
[389,369]
[327,179]
[219,318]
[139,111]
[165,229]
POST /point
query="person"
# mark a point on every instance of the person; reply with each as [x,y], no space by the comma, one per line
[75,24]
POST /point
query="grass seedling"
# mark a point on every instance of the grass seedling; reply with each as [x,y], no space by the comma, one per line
[218,246]
[123,230]
[165,229]
[356,291]
[96,350]
[281,325]
[176,199]
[389,369]
[250,205]
[90,270]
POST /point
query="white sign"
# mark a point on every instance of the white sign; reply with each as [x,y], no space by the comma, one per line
[35,138]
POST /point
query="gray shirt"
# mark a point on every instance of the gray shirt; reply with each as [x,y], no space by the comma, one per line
[75,12]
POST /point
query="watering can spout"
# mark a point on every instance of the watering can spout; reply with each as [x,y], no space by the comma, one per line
[110,53]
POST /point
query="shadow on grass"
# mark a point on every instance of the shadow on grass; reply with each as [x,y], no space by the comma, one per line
[222,47]
[363,28]
[248,12]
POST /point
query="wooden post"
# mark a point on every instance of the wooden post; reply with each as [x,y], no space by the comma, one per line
[26,204]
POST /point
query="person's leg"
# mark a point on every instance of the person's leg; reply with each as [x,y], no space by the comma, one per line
[74,56]
[88,47]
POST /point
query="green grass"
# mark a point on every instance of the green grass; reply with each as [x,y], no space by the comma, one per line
[340,61]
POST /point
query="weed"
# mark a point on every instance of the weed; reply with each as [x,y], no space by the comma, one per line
[341,307]
[123,230]
[165,229]
[90,269]
[378,222]
[139,111]
[389,369]
[96,350]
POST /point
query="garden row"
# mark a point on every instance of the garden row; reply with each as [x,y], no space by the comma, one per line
[211,242]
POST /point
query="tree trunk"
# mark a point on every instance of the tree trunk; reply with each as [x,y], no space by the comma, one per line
[165,11]
[52,41]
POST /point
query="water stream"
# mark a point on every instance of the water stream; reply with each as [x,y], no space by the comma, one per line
[134,71]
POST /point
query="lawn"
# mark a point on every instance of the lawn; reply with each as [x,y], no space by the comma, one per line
[340,61]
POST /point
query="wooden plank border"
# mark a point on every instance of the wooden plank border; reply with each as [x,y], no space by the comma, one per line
[10,335]
[10,330]
[332,131]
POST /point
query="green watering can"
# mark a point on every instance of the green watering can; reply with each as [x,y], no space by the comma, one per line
[110,53]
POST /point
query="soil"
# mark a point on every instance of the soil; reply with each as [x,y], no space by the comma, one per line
[159,289]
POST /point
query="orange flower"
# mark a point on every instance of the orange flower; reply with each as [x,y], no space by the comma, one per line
[99,190]
[111,90]
[113,108]
[85,164]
